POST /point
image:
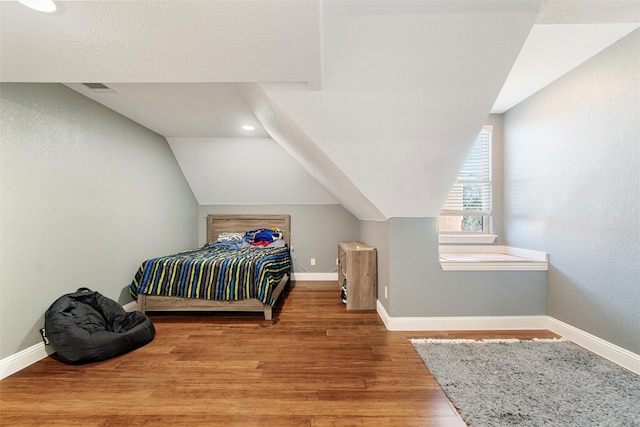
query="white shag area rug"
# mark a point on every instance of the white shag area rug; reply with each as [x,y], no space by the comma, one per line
[531,383]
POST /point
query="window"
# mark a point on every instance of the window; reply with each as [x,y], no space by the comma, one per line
[467,209]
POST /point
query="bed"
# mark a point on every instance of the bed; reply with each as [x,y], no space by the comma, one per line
[196,294]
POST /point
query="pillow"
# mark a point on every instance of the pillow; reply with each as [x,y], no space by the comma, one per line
[226,237]
[277,244]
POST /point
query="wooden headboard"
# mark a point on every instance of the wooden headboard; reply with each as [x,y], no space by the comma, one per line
[220,223]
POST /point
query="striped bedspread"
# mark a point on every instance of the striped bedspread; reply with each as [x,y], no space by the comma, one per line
[215,273]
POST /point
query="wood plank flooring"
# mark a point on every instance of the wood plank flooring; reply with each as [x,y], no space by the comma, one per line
[315,365]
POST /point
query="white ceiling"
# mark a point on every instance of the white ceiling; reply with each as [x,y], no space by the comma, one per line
[344,87]
[217,109]
[552,50]
[567,33]
[181,109]
[201,153]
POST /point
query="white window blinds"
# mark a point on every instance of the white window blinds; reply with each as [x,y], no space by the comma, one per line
[471,194]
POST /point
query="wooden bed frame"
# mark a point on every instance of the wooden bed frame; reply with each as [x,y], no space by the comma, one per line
[217,224]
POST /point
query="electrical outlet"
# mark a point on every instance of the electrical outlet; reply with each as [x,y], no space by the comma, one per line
[313,261]
[386,293]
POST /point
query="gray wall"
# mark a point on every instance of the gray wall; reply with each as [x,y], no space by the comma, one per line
[86,195]
[420,288]
[572,175]
[315,231]
[376,233]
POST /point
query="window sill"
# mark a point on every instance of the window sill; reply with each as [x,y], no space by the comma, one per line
[492,258]
[480,239]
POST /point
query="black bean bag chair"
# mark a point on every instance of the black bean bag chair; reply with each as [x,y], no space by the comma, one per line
[86,326]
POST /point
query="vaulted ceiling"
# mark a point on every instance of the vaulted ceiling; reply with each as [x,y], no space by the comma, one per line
[378,101]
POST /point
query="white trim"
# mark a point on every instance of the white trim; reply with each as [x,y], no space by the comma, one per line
[310,277]
[612,352]
[602,348]
[460,323]
[132,306]
[496,249]
[472,239]
[625,358]
[493,266]
[492,258]
[20,360]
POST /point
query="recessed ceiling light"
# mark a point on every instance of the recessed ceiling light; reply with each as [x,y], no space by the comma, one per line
[47,6]
[248,127]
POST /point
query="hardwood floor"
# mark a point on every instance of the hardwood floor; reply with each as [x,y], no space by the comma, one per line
[314,365]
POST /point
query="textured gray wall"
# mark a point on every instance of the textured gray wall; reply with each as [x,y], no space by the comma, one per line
[572,169]
[376,233]
[86,196]
[315,231]
[420,288]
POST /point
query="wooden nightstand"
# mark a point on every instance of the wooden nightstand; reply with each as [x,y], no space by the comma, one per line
[357,267]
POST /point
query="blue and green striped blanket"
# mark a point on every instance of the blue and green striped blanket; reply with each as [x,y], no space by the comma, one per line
[215,273]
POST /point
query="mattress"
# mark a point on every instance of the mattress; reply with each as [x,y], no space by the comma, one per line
[215,273]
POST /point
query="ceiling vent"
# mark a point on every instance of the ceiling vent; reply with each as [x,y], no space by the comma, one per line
[99,88]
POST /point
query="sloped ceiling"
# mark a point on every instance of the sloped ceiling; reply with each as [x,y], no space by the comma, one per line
[376,102]
[406,87]
[217,160]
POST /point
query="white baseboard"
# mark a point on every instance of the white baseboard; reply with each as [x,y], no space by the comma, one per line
[631,361]
[132,306]
[602,348]
[16,362]
[20,360]
[596,345]
[461,323]
[311,277]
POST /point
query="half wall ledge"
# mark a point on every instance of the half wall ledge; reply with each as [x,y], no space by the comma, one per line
[492,258]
